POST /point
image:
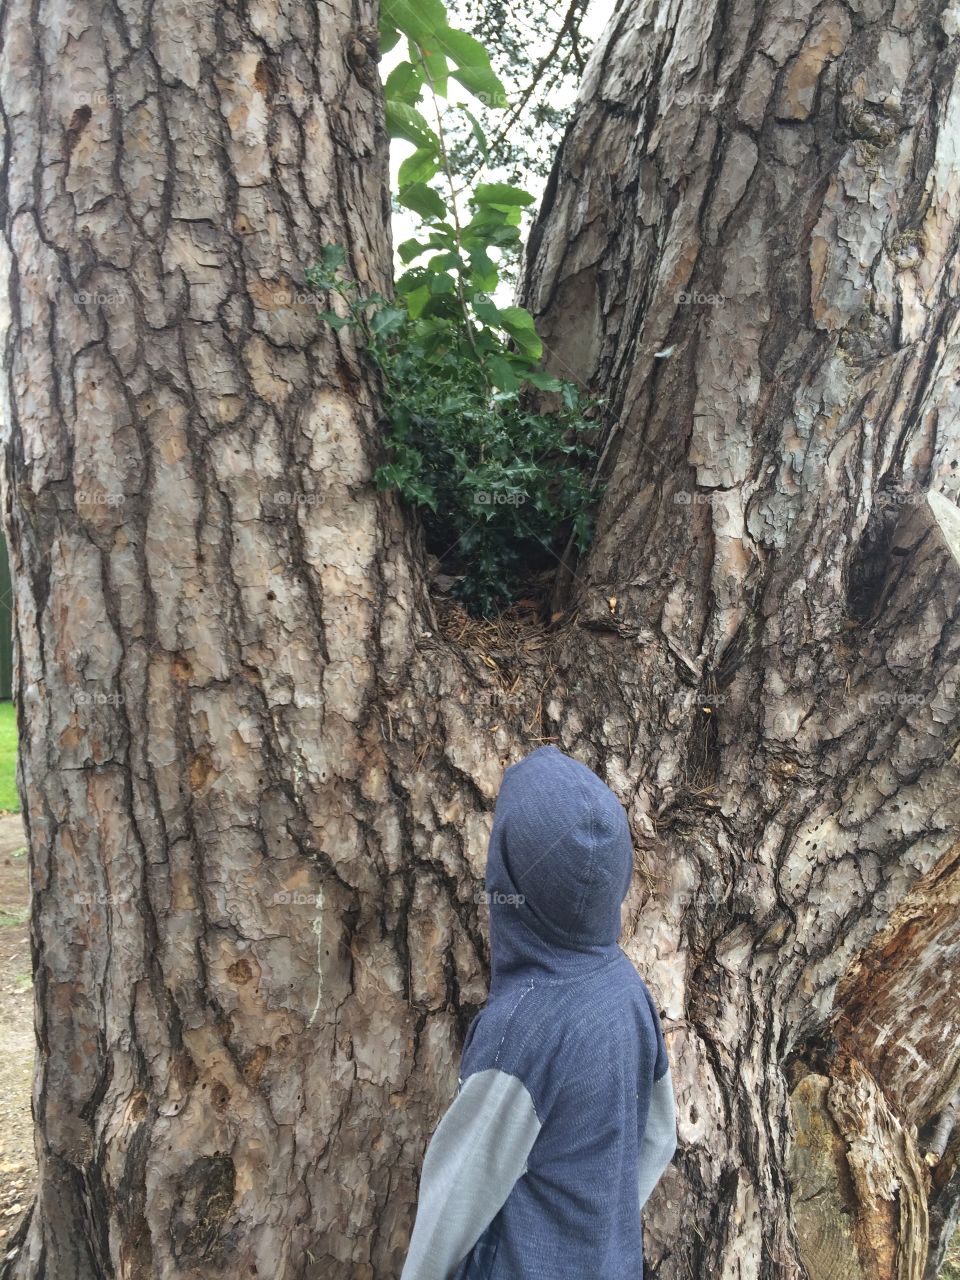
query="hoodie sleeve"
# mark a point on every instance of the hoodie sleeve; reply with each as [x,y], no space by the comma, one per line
[660,1135]
[477,1153]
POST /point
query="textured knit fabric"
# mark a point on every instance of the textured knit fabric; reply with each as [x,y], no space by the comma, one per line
[477,1153]
[544,1179]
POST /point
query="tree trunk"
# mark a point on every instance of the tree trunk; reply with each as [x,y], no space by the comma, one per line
[749,248]
[258,769]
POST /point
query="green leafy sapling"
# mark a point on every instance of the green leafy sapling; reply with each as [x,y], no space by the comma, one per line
[499,486]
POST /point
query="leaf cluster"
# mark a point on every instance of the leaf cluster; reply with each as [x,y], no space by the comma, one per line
[499,483]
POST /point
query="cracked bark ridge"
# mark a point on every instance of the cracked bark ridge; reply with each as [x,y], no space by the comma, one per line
[749,246]
[253,927]
[257,777]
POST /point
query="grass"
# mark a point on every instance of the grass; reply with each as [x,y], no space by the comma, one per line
[13,915]
[9,800]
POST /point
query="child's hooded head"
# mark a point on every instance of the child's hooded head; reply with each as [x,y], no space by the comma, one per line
[560,858]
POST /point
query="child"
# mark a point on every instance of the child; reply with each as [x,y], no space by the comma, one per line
[564,1117]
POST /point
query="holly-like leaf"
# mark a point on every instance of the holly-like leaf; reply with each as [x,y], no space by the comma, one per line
[388,320]
[332,256]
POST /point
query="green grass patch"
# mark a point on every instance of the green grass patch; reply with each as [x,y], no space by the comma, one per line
[9,800]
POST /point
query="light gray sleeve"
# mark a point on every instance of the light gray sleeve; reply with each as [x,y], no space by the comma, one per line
[660,1136]
[477,1152]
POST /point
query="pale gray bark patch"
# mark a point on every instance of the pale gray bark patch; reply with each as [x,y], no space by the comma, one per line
[751,230]
[258,768]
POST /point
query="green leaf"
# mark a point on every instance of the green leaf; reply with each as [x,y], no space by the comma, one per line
[389,35]
[335,321]
[478,133]
[501,195]
[418,167]
[388,320]
[423,200]
[487,311]
[332,256]
[404,84]
[434,64]
[472,67]
[444,262]
[442,283]
[543,381]
[519,324]
[416,300]
[403,121]
[417,19]
[502,374]
[410,249]
[485,274]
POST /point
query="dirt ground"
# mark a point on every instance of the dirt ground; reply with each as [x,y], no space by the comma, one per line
[17,1168]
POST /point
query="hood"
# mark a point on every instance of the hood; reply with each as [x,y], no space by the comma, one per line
[559,865]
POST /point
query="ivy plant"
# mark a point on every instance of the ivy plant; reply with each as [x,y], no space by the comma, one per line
[500,484]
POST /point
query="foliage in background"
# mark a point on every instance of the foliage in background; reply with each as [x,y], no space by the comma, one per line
[499,484]
[539,51]
[9,800]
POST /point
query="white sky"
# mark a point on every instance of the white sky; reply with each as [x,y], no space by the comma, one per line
[405,223]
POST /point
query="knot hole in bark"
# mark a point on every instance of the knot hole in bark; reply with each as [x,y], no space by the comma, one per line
[78,122]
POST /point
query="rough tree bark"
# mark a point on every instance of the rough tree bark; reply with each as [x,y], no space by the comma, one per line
[749,247]
[257,774]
